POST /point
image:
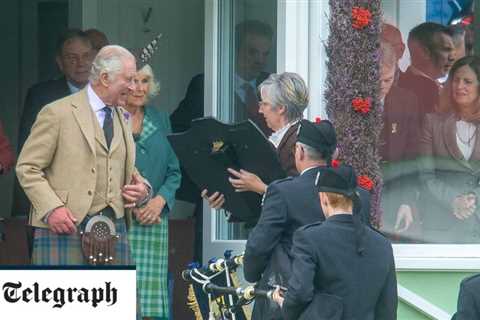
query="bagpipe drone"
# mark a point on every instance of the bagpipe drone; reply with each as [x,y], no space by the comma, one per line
[215,293]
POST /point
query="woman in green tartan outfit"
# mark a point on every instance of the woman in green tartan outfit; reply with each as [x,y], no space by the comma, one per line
[156,161]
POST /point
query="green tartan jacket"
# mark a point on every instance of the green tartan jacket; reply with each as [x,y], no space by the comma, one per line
[155,158]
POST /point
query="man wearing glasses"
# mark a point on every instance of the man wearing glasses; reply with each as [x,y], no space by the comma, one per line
[74,55]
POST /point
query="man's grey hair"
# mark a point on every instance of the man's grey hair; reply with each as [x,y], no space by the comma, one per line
[109,60]
[153,85]
[311,153]
[289,90]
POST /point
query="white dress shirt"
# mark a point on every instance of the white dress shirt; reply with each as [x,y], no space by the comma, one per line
[97,105]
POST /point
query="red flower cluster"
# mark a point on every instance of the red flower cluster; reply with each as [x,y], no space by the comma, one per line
[335,163]
[365,182]
[361,105]
[361,17]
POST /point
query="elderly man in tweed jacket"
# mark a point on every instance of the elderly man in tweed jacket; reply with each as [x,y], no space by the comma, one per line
[78,162]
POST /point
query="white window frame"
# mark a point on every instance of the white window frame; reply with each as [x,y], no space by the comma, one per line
[306,55]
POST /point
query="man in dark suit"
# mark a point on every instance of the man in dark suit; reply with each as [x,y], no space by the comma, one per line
[288,204]
[400,140]
[253,40]
[341,268]
[468,304]
[432,53]
[74,57]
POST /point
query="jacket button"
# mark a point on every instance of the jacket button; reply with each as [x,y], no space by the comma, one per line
[93,170]
[90,192]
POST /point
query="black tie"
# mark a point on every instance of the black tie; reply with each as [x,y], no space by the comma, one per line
[108,125]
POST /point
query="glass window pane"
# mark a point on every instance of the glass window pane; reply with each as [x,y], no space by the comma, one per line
[431,107]
[247,55]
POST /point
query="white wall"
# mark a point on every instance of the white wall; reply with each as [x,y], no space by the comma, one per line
[180,54]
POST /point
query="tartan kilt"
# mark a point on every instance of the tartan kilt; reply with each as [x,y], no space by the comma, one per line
[149,246]
[60,249]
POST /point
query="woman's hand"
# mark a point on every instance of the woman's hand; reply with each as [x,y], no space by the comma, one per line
[277,296]
[464,206]
[246,181]
[216,200]
[151,212]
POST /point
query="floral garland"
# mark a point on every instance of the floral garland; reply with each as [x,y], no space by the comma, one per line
[352,90]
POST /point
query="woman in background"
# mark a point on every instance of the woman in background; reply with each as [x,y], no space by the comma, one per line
[450,159]
[157,162]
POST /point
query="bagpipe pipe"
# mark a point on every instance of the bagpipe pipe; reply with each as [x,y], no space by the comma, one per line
[215,292]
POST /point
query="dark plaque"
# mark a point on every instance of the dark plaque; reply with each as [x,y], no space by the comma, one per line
[209,147]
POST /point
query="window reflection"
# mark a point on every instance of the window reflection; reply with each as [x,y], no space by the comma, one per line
[252,60]
[430,152]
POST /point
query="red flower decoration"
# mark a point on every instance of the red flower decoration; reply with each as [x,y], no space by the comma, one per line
[365,182]
[335,163]
[317,120]
[361,17]
[361,105]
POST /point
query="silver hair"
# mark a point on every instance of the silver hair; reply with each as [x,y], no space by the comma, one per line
[311,153]
[388,56]
[109,60]
[153,84]
[289,90]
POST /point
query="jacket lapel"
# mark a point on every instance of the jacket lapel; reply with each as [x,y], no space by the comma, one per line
[129,144]
[83,115]
[475,157]
[292,130]
[449,135]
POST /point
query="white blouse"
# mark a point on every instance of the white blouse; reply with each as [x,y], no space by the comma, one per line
[466,136]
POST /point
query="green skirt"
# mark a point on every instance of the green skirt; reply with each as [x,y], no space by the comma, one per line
[149,249]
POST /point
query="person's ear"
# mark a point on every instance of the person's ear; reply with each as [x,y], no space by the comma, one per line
[300,152]
[282,110]
[323,199]
[104,79]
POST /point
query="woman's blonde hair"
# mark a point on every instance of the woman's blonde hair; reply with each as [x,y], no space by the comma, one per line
[153,85]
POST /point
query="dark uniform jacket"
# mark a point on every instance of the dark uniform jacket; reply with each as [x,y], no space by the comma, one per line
[331,281]
[468,305]
[288,204]
[37,97]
